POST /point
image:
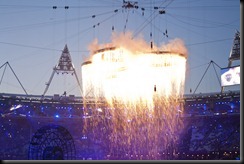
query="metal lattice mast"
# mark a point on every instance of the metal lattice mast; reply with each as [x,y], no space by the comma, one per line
[235,52]
[64,66]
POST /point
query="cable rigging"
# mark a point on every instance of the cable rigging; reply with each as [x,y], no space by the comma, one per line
[211,62]
[7,64]
[152,17]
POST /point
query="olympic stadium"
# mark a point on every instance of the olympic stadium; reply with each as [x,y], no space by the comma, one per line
[37,127]
[132,107]
[76,128]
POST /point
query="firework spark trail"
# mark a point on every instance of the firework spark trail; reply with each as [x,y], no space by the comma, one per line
[142,89]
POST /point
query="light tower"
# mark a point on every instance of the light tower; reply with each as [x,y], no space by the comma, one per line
[64,66]
[234,53]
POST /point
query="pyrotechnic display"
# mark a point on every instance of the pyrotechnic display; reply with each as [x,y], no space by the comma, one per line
[142,88]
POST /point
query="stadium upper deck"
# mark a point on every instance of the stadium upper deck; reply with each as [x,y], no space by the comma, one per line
[71,106]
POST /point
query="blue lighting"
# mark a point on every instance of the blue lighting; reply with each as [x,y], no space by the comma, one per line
[57,116]
[237,158]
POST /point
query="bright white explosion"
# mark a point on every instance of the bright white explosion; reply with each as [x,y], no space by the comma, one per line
[142,88]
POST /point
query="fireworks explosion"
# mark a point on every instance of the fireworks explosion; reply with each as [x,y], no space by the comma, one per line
[141,88]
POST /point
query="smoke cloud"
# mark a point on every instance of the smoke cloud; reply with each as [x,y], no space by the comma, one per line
[138,44]
[176,45]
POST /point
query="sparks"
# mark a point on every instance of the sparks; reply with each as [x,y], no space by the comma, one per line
[142,90]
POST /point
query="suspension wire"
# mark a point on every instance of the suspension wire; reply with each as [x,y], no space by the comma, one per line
[151,40]
[3,65]
[51,49]
[216,64]
[202,77]
[4,29]
[126,21]
[196,67]
[211,62]
[142,27]
[113,18]
[7,63]
[3,72]
[17,78]
[29,46]
[155,27]
[212,41]
[66,8]
[151,15]
[211,23]
[78,27]
[105,19]
[216,73]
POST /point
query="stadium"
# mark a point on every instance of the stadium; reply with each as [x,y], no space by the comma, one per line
[132,104]
[53,127]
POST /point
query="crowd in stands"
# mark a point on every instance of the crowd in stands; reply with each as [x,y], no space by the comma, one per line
[212,130]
